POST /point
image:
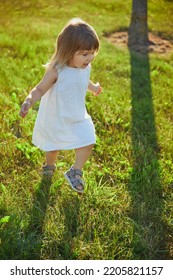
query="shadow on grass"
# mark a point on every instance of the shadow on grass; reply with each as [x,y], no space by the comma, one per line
[22,239]
[27,239]
[60,247]
[145,187]
[70,211]
[33,235]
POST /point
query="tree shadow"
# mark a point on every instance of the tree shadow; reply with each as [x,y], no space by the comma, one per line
[145,187]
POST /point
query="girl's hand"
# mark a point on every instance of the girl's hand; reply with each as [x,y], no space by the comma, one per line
[24,108]
[98,89]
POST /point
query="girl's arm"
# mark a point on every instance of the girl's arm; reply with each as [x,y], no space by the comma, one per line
[96,89]
[37,92]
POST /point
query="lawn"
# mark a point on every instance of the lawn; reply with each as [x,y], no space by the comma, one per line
[126,211]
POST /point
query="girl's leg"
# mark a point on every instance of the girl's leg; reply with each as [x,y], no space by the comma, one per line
[51,157]
[82,155]
[49,167]
[74,174]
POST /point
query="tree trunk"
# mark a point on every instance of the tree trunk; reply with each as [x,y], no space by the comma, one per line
[138,30]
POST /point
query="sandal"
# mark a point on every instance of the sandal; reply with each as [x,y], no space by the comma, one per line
[73,180]
[48,170]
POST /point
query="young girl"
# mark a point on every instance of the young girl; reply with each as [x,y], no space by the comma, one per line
[63,122]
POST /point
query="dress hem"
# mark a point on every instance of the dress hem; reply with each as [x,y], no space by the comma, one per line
[64,148]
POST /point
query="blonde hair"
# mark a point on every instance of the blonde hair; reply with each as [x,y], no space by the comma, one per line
[77,35]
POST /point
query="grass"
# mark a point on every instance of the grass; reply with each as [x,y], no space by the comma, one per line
[126,210]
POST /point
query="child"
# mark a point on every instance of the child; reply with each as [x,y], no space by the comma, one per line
[63,122]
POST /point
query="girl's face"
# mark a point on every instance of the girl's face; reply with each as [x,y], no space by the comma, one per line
[81,59]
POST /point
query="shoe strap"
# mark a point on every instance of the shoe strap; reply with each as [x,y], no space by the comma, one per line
[77,172]
[76,182]
[49,167]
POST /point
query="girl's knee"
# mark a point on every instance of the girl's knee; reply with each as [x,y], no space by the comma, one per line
[52,152]
[89,148]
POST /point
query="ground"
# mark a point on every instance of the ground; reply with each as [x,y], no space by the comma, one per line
[156,44]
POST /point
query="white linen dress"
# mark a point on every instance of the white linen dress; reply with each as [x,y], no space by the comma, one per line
[63,122]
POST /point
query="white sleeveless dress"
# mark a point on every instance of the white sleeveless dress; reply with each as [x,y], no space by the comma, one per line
[63,122]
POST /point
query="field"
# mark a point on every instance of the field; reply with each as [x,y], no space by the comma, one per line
[126,211]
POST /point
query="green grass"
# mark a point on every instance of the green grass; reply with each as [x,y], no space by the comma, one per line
[126,211]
